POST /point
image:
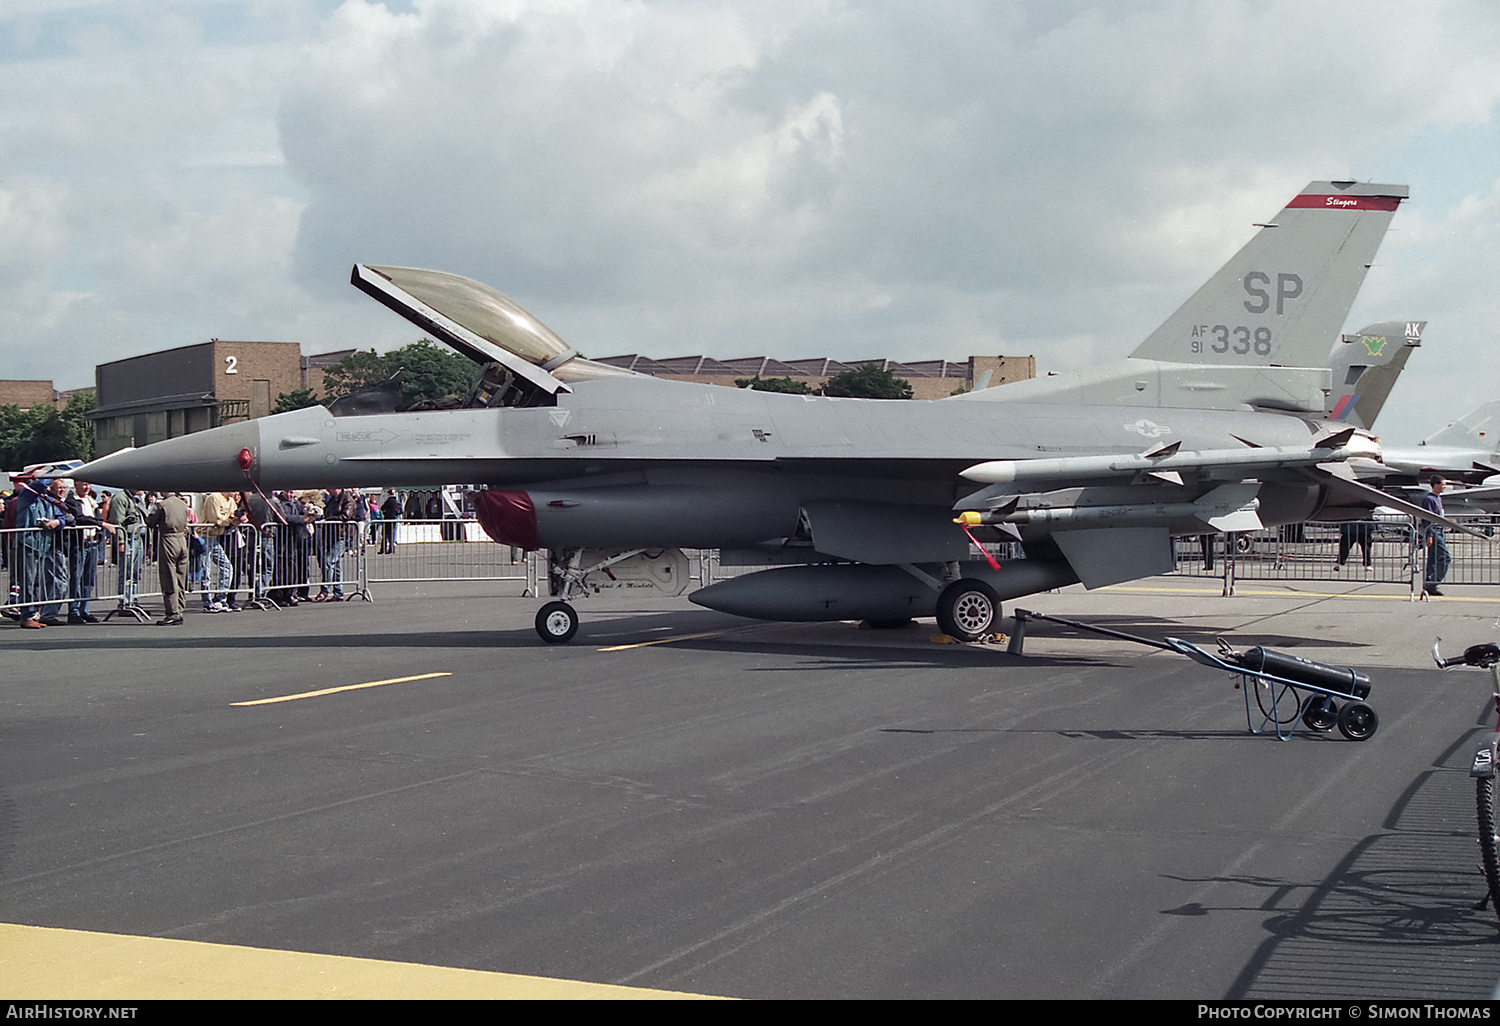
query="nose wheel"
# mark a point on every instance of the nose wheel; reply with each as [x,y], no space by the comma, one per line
[556,623]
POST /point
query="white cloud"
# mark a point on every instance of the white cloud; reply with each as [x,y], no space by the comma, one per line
[139,164]
[730,178]
[1441,267]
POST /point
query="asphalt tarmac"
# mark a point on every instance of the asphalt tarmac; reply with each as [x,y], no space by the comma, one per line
[685,801]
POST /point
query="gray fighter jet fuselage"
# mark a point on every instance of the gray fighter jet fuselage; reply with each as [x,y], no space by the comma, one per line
[855,500]
[728,468]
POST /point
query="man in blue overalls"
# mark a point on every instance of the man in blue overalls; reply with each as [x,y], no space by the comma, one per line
[1434,538]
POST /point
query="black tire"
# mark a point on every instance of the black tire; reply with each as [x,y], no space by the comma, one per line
[1322,714]
[1484,793]
[1358,721]
[556,623]
[968,610]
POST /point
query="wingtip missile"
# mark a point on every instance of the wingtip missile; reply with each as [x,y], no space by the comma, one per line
[1338,447]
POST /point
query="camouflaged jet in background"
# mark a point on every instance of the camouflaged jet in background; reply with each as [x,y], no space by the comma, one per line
[861,509]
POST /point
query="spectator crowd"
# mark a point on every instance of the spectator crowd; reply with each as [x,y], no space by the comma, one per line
[230,548]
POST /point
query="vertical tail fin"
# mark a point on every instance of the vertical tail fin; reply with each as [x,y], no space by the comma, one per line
[1479,429]
[1365,367]
[1285,295]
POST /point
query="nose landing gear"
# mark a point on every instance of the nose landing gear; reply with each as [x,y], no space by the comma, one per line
[556,623]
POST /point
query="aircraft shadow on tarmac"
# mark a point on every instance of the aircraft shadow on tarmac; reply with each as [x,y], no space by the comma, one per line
[1239,734]
[836,644]
[177,639]
[829,655]
[837,655]
[1157,628]
[708,632]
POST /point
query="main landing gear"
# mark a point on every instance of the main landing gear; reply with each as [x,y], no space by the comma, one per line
[968,610]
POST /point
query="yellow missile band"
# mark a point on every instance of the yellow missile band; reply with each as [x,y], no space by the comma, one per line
[969,519]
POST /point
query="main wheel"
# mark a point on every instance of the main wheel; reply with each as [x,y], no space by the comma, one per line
[1489,845]
[1321,714]
[1357,721]
[967,610]
[556,623]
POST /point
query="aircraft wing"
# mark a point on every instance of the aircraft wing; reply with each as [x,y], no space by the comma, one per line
[1362,494]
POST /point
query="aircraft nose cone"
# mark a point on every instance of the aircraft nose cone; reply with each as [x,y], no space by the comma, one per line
[201,462]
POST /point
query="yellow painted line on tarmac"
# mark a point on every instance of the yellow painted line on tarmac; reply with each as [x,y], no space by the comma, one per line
[1403,597]
[662,641]
[346,687]
[1169,591]
[44,964]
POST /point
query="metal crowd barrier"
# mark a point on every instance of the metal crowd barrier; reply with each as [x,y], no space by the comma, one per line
[1386,550]
[284,564]
[82,571]
[45,568]
[71,571]
[439,550]
[1475,561]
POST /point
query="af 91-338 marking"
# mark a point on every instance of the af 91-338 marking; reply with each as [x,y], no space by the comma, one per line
[1256,285]
[1242,339]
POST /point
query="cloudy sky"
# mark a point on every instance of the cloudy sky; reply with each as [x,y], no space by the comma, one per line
[794,179]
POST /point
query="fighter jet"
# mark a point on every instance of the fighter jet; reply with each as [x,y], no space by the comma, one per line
[1466,450]
[862,509]
[1365,367]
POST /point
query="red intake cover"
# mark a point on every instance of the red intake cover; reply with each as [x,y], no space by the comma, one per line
[507,517]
